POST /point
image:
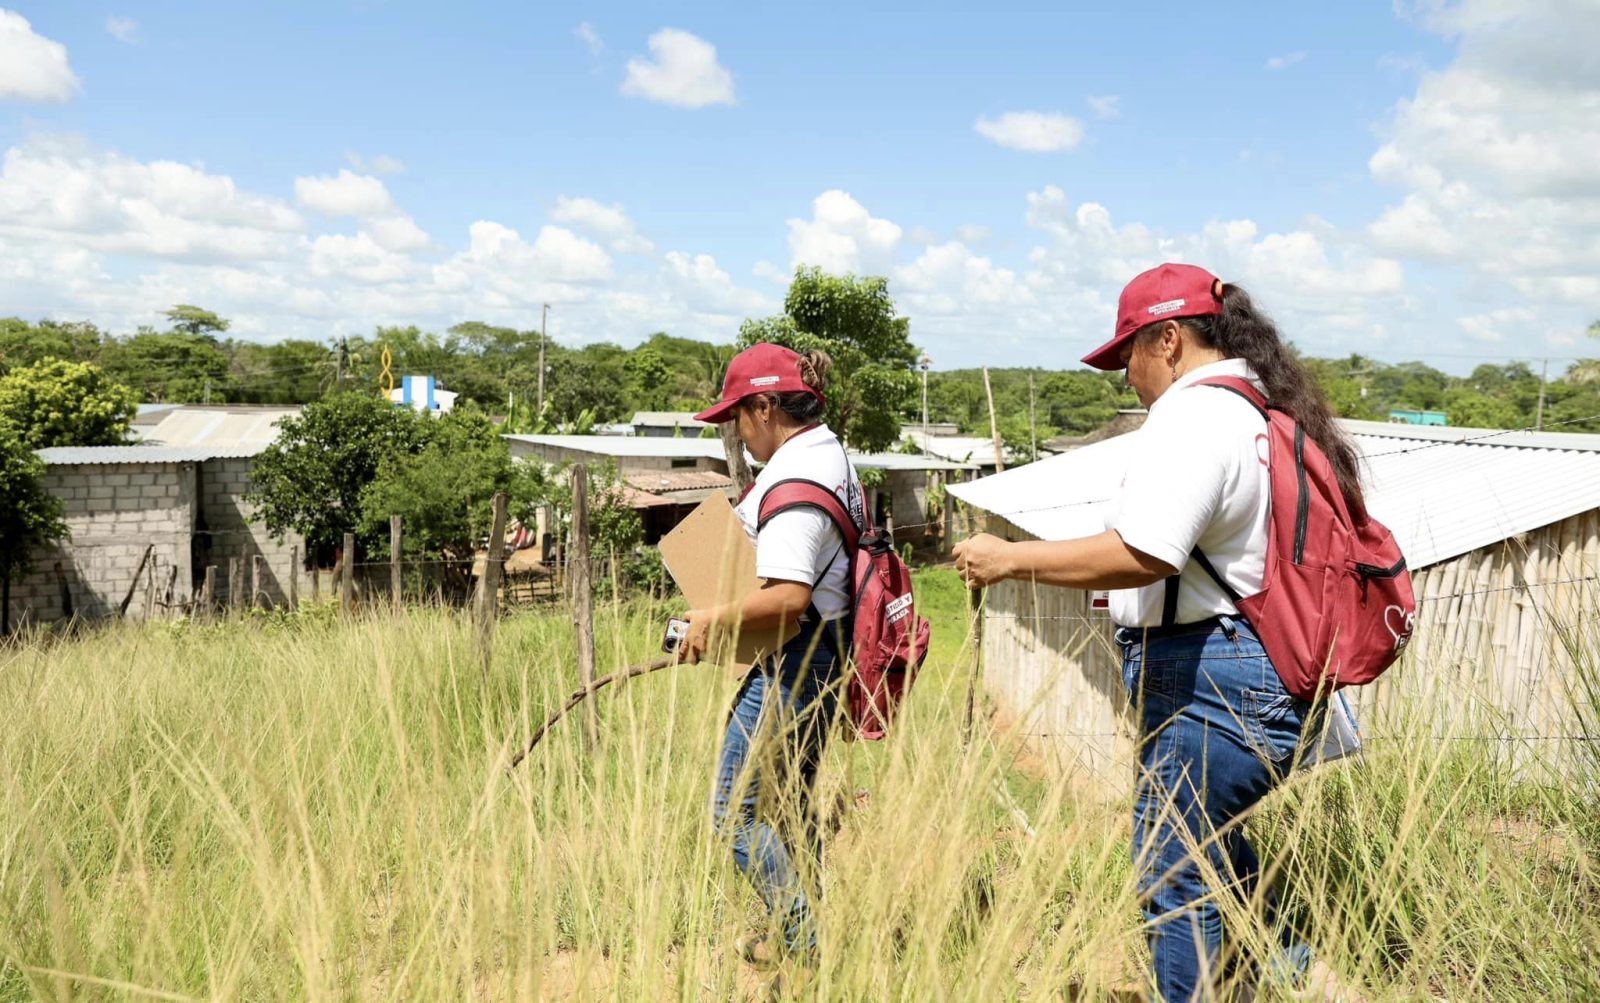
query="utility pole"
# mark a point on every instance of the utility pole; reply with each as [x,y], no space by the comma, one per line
[1033,430]
[1544,377]
[544,318]
[338,362]
[925,363]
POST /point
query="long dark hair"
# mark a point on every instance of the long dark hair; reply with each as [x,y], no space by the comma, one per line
[1243,332]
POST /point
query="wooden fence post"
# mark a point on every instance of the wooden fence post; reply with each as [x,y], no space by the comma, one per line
[235,582]
[208,594]
[67,610]
[394,562]
[489,585]
[738,468]
[255,582]
[948,540]
[582,579]
[150,589]
[294,577]
[347,581]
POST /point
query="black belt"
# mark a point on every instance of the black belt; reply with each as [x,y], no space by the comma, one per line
[1207,625]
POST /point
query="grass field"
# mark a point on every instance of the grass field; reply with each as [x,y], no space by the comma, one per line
[302,808]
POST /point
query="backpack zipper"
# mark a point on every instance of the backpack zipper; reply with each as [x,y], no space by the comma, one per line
[1303,510]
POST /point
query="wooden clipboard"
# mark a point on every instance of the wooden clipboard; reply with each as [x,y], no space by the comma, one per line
[712,560]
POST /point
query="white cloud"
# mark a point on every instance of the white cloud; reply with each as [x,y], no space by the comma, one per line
[842,236]
[1031,131]
[682,72]
[973,233]
[379,164]
[1491,328]
[706,288]
[590,38]
[123,29]
[59,187]
[32,67]
[608,222]
[1285,61]
[1105,106]
[949,280]
[367,199]
[1497,159]
[344,194]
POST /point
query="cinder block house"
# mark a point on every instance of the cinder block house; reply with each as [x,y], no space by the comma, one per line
[185,505]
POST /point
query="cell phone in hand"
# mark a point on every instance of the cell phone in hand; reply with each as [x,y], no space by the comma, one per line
[677,630]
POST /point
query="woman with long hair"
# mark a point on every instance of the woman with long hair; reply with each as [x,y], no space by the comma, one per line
[1218,731]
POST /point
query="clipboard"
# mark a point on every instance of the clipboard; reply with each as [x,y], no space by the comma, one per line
[711,559]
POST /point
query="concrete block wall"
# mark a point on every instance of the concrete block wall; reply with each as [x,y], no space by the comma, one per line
[113,512]
[227,528]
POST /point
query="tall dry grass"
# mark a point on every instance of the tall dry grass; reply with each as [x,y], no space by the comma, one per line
[310,809]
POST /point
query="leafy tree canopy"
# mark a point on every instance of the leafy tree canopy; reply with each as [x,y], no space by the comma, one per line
[854,320]
[59,403]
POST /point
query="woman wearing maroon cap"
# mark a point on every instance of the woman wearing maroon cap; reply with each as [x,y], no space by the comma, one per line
[785,707]
[1218,731]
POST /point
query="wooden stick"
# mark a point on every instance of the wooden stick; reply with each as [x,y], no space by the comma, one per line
[235,582]
[394,562]
[255,581]
[994,427]
[67,610]
[294,577]
[347,580]
[975,617]
[582,579]
[585,693]
[134,585]
[489,584]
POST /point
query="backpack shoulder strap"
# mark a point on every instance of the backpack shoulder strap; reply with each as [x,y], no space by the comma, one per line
[1243,387]
[801,493]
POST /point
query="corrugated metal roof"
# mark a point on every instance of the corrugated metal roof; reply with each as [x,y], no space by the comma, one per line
[955,448]
[668,419]
[616,445]
[212,428]
[1444,492]
[905,461]
[667,481]
[83,455]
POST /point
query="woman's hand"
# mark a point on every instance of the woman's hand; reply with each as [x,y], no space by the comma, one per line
[983,560]
[697,638]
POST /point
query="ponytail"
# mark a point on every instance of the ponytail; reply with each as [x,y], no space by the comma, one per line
[1243,332]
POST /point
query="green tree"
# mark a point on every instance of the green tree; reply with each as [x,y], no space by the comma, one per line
[650,382]
[310,480]
[194,321]
[25,344]
[29,516]
[60,403]
[442,491]
[854,320]
[176,367]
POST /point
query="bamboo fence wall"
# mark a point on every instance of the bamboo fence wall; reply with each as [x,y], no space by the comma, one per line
[1502,637]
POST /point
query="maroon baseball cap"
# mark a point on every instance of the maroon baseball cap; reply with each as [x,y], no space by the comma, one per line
[1165,291]
[762,368]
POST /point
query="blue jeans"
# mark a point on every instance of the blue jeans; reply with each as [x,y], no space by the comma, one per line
[1217,733]
[768,766]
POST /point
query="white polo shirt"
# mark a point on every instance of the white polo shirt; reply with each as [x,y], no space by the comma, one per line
[1197,476]
[803,544]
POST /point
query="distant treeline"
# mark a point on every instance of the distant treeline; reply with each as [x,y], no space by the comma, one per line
[498,368]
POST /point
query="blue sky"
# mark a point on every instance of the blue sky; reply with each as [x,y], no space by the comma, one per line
[314,169]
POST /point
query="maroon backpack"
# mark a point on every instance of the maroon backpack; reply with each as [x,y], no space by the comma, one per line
[1335,607]
[889,640]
